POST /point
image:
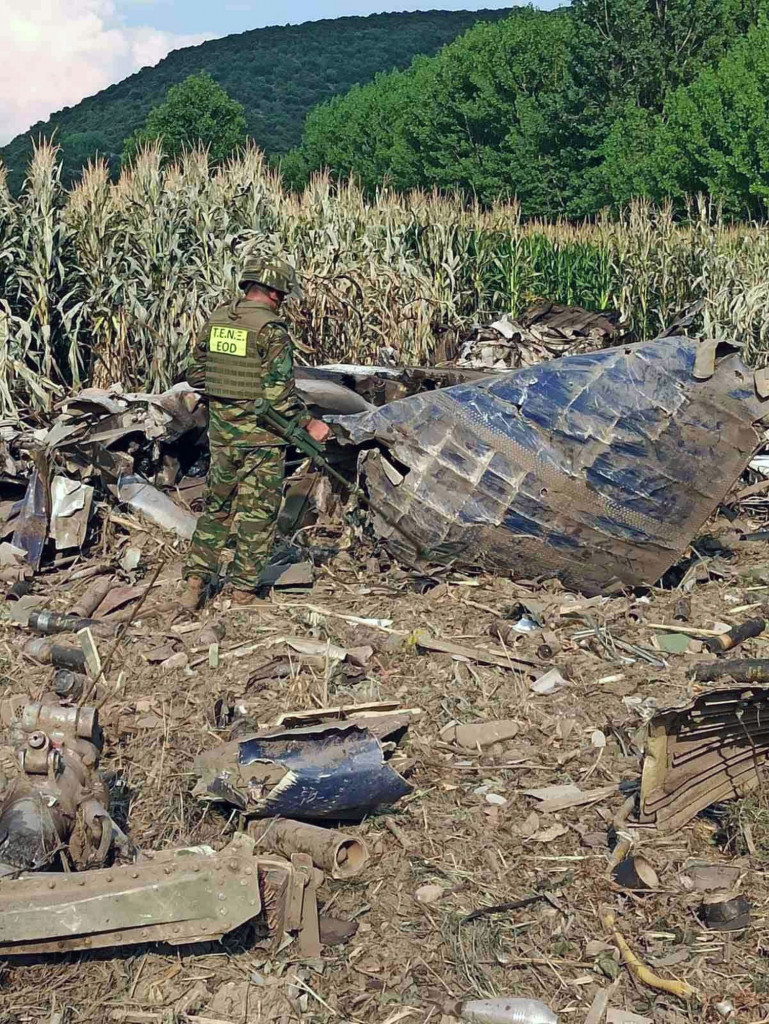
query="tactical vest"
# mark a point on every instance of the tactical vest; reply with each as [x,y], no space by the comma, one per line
[234,360]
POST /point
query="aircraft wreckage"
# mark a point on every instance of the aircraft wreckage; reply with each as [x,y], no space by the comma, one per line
[596,468]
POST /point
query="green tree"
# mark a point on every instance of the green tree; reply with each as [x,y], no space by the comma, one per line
[481,116]
[355,134]
[714,136]
[485,116]
[195,112]
[627,55]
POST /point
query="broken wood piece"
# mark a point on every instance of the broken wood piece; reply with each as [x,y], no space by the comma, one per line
[90,652]
[485,657]
[748,492]
[398,832]
[503,908]
[600,1003]
[626,1017]
[690,630]
[559,798]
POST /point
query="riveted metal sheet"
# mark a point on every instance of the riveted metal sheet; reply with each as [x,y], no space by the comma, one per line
[186,897]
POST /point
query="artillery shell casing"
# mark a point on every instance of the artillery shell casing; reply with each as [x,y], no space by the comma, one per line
[683,609]
[342,855]
[743,670]
[45,652]
[745,631]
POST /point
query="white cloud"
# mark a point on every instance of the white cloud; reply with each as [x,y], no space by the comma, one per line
[53,53]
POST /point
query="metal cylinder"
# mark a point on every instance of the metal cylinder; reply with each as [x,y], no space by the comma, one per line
[342,855]
[50,623]
[80,722]
[745,631]
[67,683]
[21,588]
[93,597]
[43,651]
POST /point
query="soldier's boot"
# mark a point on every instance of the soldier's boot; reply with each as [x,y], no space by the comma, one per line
[246,597]
[192,596]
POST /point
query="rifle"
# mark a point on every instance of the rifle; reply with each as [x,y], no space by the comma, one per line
[297,436]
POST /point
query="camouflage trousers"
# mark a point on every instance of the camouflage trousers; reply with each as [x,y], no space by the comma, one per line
[242,497]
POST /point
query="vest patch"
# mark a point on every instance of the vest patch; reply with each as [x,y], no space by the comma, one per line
[230,341]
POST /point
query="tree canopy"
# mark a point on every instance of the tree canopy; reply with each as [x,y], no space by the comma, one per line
[195,112]
[570,111]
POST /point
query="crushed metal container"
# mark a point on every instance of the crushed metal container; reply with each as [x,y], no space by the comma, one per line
[597,469]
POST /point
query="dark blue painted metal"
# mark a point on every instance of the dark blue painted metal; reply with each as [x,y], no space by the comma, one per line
[595,468]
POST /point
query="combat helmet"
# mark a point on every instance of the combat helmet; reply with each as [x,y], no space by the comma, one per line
[271,273]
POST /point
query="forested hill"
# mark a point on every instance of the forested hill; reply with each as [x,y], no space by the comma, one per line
[277,73]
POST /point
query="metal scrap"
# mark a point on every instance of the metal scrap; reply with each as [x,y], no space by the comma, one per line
[52,798]
[543,332]
[596,469]
[322,770]
[709,751]
[340,854]
[175,896]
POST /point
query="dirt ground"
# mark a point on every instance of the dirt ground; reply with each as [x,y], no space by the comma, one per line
[415,960]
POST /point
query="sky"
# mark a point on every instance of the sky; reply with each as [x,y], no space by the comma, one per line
[53,53]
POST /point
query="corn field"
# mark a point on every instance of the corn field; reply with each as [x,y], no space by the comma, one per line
[110,281]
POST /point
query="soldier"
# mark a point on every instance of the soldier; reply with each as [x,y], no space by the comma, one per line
[244,353]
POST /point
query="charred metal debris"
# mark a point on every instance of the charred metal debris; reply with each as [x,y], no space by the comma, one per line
[596,468]
[53,814]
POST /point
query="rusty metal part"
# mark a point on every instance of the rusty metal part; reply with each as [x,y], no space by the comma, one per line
[55,787]
[636,614]
[745,670]
[725,912]
[683,609]
[309,928]
[67,683]
[45,652]
[93,597]
[710,750]
[728,641]
[550,646]
[50,623]
[21,588]
[339,854]
[179,897]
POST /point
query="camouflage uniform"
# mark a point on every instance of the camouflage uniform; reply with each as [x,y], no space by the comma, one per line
[245,481]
